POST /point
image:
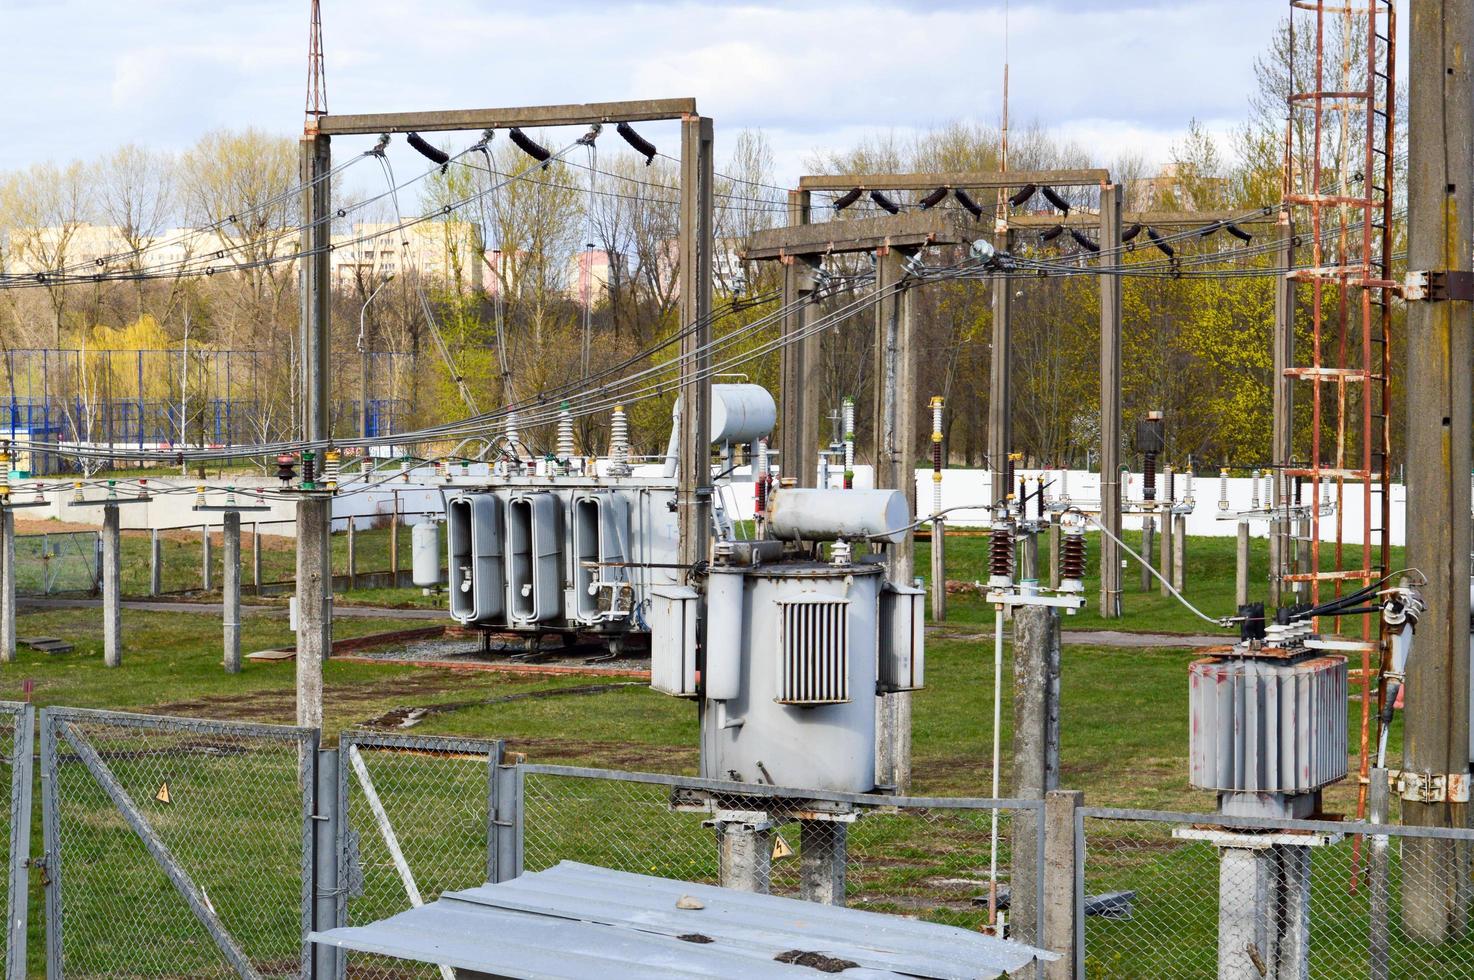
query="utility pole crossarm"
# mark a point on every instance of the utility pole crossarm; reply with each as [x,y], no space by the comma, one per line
[967,180]
[584,114]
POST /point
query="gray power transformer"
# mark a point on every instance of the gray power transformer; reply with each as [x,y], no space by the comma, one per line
[796,648]
[551,554]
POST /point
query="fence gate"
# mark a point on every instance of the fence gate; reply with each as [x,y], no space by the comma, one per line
[17,743]
[175,847]
[420,816]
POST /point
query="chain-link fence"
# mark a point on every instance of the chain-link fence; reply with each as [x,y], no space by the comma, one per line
[1201,895]
[928,858]
[418,818]
[175,847]
[59,562]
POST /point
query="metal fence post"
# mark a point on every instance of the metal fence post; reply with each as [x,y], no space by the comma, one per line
[1380,898]
[18,899]
[325,839]
[155,563]
[506,829]
[7,585]
[51,846]
[1064,883]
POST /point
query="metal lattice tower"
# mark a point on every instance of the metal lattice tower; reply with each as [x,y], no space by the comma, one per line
[317,81]
[1339,172]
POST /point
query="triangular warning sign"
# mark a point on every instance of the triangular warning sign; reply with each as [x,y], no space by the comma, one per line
[163,794]
[781,848]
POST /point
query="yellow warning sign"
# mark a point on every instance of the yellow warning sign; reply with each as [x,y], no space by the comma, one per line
[163,794]
[781,848]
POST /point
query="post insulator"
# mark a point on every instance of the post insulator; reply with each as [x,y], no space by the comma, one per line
[1000,556]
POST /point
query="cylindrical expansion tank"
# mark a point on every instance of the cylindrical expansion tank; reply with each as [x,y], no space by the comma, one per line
[741,413]
[425,552]
[799,514]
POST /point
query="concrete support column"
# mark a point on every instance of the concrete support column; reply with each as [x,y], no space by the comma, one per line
[314,604]
[894,454]
[394,538]
[744,855]
[7,585]
[207,572]
[1036,670]
[823,853]
[352,553]
[1061,899]
[693,495]
[1165,553]
[155,563]
[1440,413]
[1241,566]
[1000,377]
[1179,552]
[1284,405]
[1148,539]
[232,597]
[939,571]
[1263,912]
[256,556]
[112,600]
[1110,407]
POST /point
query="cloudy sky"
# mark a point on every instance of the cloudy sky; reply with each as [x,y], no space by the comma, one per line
[1114,75]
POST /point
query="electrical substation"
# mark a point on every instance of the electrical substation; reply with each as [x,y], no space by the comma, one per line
[675,681]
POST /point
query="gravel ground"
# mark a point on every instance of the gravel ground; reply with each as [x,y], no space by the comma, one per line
[504,650]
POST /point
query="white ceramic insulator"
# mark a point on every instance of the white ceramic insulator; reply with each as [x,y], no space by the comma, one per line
[1223,489]
[513,436]
[619,437]
[565,434]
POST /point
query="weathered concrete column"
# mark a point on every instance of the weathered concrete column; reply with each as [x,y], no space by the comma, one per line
[1148,539]
[1036,669]
[155,563]
[1241,566]
[232,598]
[744,855]
[314,605]
[394,539]
[1110,406]
[112,605]
[7,585]
[256,556]
[939,571]
[207,573]
[1165,553]
[823,854]
[1179,552]
[1263,906]
[1061,907]
[352,553]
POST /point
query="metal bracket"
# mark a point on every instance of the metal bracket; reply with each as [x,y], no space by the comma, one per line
[1440,285]
[1427,787]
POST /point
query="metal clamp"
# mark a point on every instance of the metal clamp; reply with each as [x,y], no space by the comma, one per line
[1438,285]
[1427,787]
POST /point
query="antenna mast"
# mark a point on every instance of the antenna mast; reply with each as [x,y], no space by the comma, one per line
[317,82]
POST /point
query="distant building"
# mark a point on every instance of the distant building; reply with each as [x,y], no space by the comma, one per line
[1172,189]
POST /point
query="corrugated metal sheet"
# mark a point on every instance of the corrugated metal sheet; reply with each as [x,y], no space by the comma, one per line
[576,920]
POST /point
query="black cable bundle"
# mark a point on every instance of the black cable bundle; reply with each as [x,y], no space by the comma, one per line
[432,153]
[1054,199]
[1022,195]
[1084,240]
[640,144]
[884,202]
[527,145]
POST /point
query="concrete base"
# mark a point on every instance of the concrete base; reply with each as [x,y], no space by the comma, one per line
[823,856]
[744,852]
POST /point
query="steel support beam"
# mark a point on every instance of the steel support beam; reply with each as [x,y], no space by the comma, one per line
[1435,874]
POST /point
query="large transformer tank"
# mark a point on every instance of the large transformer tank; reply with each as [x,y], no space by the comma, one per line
[548,554]
[796,649]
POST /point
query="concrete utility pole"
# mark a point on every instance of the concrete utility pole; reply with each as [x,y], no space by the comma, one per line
[1110,407]
[1036,673]
[1284,408]
[314,511]
[112,599]
[894,453]
[232,595]
[693,494]
[1000,378]
[1440,414]
[798,432]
